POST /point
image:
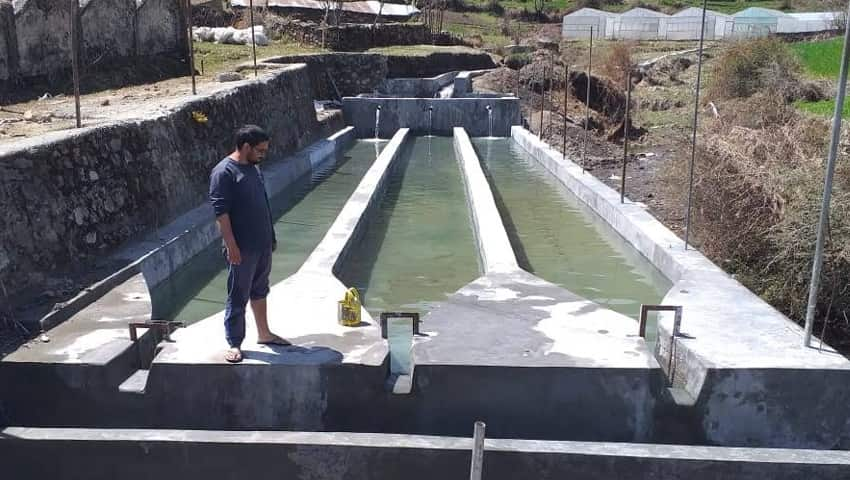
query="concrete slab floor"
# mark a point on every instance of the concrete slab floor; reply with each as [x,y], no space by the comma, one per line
[517,320]
[95,335]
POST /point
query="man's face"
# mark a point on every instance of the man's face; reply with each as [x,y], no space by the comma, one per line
[257,153]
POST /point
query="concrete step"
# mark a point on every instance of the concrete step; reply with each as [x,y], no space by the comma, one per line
[260,455]
[135,383]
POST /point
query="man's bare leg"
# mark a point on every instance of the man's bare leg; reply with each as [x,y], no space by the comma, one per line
[264,334]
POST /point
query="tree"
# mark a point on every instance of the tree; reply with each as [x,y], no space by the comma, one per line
[539,7]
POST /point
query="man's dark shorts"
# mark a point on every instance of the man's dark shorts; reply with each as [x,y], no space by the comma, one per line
[246,281]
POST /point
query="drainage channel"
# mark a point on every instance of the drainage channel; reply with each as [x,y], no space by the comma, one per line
[303,212]
[419,247]
[556,239]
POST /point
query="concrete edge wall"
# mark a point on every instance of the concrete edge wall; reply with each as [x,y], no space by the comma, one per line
[742,361]
[448,113]
[177,243]
[494,248]
[194,454]
[331,250]
[196,230]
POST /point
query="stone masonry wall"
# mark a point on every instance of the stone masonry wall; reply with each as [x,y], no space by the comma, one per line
[77,195]
[8,42]
[358,37]
[353,73]
[110,31]
[44,37]
[159,27]
[436,63]
[107,27]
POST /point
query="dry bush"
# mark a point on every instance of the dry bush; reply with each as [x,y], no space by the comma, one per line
[757,191]
[761,65]
[618,62]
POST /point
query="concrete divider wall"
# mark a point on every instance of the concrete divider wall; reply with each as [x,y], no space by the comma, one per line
[412,113]
[415,87]
[196,230]
[191,455]
[73,196]
[494,247]
[331,252]
[742,361]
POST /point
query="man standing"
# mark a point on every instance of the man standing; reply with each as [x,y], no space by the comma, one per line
[238,197]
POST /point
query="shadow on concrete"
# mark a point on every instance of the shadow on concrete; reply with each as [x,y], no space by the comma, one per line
[295,354]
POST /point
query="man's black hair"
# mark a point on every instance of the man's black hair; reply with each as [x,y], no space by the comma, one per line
[252,135]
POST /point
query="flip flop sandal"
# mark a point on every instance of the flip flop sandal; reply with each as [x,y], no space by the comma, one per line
[233,357]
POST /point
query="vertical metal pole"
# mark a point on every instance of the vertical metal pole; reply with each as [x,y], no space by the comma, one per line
[566,96]
[517,84]
[626,132]
[253,39]
[75,57]
[827,188]
[694,139]
[477,452]
[587,104]
[542,100]
[191,43]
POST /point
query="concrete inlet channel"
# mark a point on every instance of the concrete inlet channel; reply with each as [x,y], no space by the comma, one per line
[527,275]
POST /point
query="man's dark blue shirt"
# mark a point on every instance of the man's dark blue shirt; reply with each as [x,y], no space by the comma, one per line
[239,190]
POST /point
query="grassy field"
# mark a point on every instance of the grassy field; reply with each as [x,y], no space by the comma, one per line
[725,6]
[824,108]
[820,59]
[221,58]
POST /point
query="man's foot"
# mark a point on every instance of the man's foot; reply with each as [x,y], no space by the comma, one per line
[233,355]
[273,339]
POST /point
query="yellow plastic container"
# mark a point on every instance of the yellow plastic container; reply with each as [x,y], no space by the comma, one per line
[349,308]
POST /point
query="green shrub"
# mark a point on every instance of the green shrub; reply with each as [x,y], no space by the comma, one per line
[516,61]
[762,65]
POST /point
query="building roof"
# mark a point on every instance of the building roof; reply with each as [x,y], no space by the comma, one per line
[643,12]
[591,12]
[697,12]
[760,12]
[368,7]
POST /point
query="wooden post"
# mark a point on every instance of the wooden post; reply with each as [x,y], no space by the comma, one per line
[542,101]
[75,57]
[626,131]
[253,38]
[191,43]
[587,103]
[566,96]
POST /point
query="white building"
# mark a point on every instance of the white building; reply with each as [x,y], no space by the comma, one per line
[810,22]
[579,24]
[757,22]
[685,25]
[638,24]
